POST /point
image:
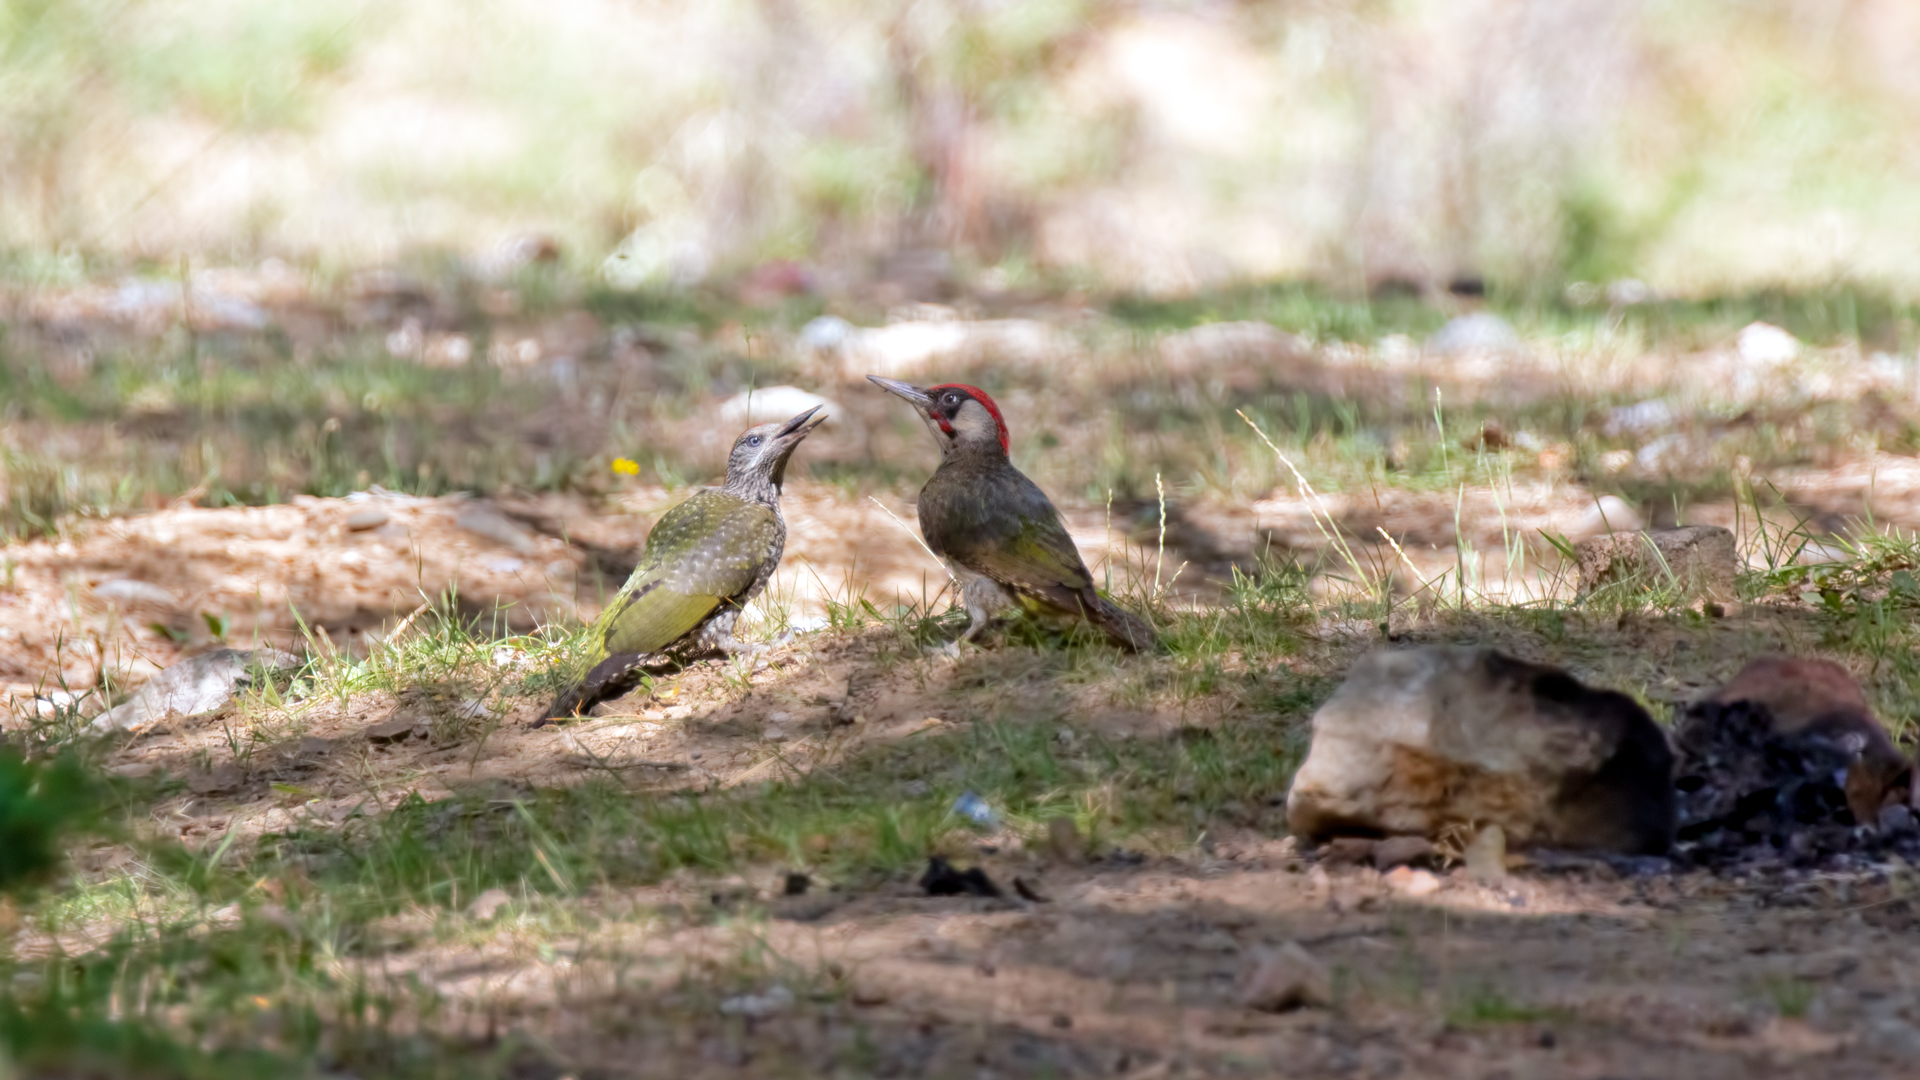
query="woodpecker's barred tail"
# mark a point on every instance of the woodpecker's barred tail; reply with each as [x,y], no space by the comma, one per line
[610,678]
[1127,630]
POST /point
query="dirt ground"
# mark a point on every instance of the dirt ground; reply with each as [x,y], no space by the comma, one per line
[1132,971]
[1108,962]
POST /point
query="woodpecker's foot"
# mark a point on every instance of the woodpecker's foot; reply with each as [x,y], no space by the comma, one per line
[728,647]
[949,651]
[981,631]
[754,655]
[570,704]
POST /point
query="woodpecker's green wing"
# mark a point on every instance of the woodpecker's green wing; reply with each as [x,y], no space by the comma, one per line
[704,553]
[1040,558]
[1006,528]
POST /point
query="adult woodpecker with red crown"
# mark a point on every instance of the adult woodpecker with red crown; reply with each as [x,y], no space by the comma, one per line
[994,528]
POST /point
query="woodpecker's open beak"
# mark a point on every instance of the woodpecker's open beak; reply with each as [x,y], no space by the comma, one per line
[787,440]
[912,393]
[799,426]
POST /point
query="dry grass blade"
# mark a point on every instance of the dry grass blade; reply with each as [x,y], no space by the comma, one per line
[1322,519]
[590,761]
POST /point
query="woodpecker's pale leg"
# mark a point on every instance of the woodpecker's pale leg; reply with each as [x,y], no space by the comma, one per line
[984,598]
[717,635]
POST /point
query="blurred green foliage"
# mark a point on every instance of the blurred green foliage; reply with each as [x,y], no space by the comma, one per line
[44,804]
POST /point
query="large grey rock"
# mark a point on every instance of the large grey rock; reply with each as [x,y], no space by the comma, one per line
[192,687]
[1698,561]
[1420,740]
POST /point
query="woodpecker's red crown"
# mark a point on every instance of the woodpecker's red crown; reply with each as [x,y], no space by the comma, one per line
[950,398]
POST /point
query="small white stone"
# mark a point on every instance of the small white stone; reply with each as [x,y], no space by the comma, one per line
[777,999]
[129,591]
[1285,978]
[488,904]
[1766,345]
[1486,856]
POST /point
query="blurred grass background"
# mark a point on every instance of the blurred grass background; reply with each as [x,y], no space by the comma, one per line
[1702,147]
[250,250]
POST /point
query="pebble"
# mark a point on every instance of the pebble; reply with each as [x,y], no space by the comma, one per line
[193,687]
[1896,819]
[826,332]
[1346,851]
[1064,842]
[1401,851]
[483,520]
[129,591]
[1481,331]
[371,517]
[1284,979]
[777,999]
[394,730]
[1406,879]
[775,403]
[1766,345]
[1486,856]
[1640,418]
[488,904]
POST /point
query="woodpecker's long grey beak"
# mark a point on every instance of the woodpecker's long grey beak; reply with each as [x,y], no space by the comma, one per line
[798,425]
[912,393]
[788,439]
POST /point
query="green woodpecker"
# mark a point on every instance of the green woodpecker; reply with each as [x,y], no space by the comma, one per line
[994,528]
[705,560]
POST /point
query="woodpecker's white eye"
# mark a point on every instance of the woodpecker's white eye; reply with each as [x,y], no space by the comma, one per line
[753,440]
[951,399]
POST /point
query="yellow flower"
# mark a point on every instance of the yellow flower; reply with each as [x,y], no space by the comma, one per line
[626,468]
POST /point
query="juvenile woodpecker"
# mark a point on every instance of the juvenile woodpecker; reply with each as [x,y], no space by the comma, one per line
[705,560]
[994,528]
